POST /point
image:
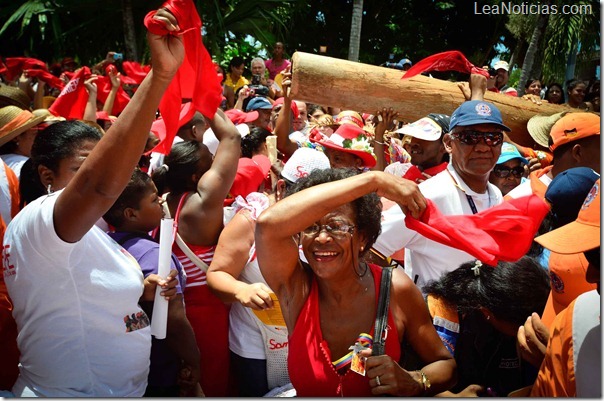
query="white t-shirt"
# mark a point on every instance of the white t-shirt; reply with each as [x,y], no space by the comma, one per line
[14,161]
[425,259]
[81,331]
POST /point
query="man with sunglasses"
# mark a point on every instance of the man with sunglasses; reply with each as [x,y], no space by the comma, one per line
[509,170]
[474,145]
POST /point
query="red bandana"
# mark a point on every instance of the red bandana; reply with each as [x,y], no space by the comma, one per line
[196,78]
[503,232]
[71,103]
[446,61]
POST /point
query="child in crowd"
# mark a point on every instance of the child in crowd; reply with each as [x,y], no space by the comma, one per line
[135,213]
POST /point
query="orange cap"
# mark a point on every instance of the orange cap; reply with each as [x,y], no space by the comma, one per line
[582,234]
[574,126]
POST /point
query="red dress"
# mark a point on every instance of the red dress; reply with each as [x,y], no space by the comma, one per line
[209,317]
[310,361]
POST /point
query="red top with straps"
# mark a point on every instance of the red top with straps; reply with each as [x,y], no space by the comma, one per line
[310,361]
[195,276]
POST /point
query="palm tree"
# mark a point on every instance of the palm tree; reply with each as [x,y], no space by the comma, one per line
[355,30]
[533,47]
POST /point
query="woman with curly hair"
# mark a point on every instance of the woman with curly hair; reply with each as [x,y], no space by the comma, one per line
[329,301]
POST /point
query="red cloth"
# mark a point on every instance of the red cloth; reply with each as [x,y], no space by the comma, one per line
[504,232]
[47,77]
[16,65]
[103,84]
[135,72]
[71,103]
[310,360]
[196,79]
[446,61]
[414,173]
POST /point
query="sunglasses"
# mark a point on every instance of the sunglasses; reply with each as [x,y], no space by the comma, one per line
[504,172]
[473,137]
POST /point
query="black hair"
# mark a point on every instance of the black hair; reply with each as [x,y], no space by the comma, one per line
[367,208]
[311,107]
[550,86]
[251,143]
[131,196]
[511,291]
[593,257]
[235,62]
[530,81]
[572,84]
[182,163]
[53,144]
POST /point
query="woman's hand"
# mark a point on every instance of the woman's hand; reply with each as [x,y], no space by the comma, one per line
[387,377]
[256,296]
[114,77]
[168,286]
[90,85]
[404,192]
[168,51]
[532,340]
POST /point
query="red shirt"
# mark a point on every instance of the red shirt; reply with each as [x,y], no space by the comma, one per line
[310,361]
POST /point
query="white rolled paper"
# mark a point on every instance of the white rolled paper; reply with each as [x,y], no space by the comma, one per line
[159,320]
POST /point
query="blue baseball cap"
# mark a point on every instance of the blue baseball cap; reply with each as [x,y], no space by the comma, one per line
[477,112]
[567,191]
[404,61]
[258,103]
[509,152]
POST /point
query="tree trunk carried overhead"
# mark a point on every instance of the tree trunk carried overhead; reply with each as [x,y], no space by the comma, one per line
[366,88]
[355,30]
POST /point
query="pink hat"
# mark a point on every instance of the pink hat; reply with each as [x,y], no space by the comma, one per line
[351,139]
[250,174]
[239,117]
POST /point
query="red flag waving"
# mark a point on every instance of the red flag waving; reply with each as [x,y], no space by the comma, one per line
[196,79]
[503,232]
[71,103]
[47,77]
[446,61]
[16,65]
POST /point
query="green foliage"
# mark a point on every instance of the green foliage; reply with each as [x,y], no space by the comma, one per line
[514,77]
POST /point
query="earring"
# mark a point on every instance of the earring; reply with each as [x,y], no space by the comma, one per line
[488,317]
[362,248]
[48,189]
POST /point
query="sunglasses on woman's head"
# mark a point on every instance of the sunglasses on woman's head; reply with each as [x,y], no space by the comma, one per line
[504,172]
[470,137]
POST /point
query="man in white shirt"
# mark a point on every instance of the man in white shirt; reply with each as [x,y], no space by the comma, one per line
[474,144]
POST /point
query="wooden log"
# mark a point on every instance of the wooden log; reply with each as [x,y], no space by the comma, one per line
[366,88]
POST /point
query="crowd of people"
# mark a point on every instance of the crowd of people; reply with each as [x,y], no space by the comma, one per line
[316,251]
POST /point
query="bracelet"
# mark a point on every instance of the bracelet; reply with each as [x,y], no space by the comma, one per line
[378,142]
[425,381]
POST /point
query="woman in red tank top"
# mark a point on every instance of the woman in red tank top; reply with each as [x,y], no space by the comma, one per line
[329,305]
[197,188]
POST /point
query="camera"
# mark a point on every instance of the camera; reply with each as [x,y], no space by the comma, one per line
[259,90]
[256,79]
[118,56]
[492,72]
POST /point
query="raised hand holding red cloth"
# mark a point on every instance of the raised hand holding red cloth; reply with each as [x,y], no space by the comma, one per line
[71,103]
[503,232]
[446,61]
[47,77]
[196,78]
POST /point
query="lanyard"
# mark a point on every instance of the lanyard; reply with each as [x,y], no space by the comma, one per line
[468,197]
